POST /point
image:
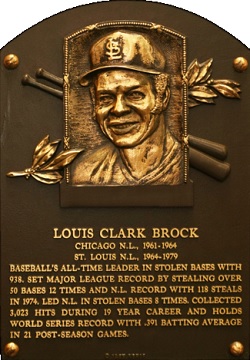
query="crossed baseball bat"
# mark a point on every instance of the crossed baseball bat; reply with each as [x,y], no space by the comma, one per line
[204,155]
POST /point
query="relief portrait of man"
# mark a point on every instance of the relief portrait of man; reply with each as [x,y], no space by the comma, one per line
[130,93]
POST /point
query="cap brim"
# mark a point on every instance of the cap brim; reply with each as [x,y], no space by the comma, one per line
[85,79]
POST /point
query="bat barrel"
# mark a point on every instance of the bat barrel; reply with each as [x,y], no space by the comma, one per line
[217,169]
[214,149]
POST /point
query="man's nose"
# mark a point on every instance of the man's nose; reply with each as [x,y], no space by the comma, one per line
[120,106]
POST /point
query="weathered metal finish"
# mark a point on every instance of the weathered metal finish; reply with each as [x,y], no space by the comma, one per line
[187,302]
[128,77]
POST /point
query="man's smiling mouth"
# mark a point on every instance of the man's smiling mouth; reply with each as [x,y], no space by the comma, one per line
[121,128]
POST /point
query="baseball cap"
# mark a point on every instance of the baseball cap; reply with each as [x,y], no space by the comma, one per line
[124,50]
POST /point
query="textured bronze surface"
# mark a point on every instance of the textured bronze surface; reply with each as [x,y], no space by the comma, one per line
[128,77]
[45,166]
[113,272]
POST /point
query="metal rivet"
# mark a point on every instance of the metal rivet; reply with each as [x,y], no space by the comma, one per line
[11,349]
[240,64]
[11,61]
[236,348]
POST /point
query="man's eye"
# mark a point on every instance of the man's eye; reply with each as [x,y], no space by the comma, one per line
[106,99]
[135,95]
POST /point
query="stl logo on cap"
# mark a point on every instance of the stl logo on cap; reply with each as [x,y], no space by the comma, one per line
[113,49]
[125,50]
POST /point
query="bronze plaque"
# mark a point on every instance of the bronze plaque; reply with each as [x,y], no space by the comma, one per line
[125,187]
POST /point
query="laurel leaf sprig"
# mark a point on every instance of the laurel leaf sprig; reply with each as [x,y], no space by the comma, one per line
[45,165]
[203,89]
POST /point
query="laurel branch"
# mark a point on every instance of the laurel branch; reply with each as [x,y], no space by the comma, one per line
[45,166]
[203,89]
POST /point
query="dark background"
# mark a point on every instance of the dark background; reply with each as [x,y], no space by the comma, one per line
[30,210]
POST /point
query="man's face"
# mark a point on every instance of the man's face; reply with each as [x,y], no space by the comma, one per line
[124,100]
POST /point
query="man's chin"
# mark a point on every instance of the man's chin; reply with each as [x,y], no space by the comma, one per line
[124,142]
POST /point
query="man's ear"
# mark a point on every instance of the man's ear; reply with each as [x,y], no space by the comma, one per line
[162,93]
[166,97]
